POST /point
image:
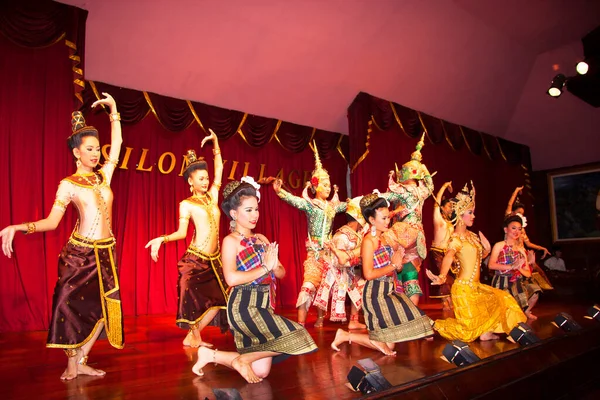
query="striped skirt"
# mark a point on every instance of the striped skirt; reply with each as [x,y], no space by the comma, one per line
[257,328]
[390,316]
[522,289]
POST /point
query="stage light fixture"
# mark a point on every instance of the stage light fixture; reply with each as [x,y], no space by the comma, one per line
[565,322]
[593,313]
[227,394]
[459,353]
[556,88]
[370,380]
[582,68]
[523,334]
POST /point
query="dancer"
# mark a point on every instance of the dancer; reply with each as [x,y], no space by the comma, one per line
[319,213]
[412,187]
[480,310]
[513,267]
[514,207]
[87,295]
[340,279]
[250,266]
[202,293]
[390,316]
[442,230]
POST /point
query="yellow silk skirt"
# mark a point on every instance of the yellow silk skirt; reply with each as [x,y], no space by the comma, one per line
[478,309]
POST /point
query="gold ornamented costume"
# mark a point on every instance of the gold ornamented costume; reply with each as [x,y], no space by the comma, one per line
[478,308]
[87,291]
[340,280]
[201,286]
[407,233]
[320,215]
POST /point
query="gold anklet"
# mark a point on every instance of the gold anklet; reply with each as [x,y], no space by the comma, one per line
[71,352]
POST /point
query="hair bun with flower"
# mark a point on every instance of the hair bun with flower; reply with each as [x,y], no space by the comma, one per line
[250,180]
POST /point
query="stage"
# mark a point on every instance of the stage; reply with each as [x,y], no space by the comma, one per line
[155,365]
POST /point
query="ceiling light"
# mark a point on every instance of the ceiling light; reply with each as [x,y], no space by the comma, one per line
[582,67]
[556,87]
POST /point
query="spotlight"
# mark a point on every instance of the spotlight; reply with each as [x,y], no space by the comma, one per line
[582,68]
[227,394]
[523,334]
[565,322]
[557,85]
[372,380]
[459,354]
[593,313]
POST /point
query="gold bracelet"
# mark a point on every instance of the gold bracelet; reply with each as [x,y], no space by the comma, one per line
[165,238]
[265,268]
[216,151]
[115,117]
[30,227]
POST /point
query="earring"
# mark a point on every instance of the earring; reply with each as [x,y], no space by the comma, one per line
[373,230]
[232,225]
[78,163]
[191,189]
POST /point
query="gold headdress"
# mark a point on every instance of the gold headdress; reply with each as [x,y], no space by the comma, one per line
[319,172]
[191,161]
[78,124]
[353,210]
[229,188]
[413,168]
[464,201]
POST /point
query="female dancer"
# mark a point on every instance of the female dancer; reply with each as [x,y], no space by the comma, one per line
[412,187]
[514,266]
[390,316]
[250,266]
[339,279]
[480,310]
[200,287]
[320,213]
[86,296]
[442,230]
[514,207]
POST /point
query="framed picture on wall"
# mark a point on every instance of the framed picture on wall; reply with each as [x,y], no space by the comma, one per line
[575,203]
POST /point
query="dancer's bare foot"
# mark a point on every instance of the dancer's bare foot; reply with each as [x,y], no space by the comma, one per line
[340,337]
[382,347]
[87,370]
[205,355]
[319,322]
[354,324]
[489,336]
[245,370]
[71,371]
[194,340]
[531,316]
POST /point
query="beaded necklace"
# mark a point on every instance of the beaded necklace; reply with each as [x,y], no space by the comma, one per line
[205,202]
[96,188]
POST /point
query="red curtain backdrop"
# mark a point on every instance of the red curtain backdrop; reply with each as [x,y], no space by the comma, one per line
[37,97]
[383,133]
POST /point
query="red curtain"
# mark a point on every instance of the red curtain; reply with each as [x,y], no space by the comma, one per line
[383,133]
[37,97]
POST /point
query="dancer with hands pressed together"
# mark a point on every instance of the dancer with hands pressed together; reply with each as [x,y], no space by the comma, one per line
[201,288]
[391,317]
[251,267]
[86,296]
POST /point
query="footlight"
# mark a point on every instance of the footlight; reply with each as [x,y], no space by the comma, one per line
[523,334]
[459,353]
[565,322]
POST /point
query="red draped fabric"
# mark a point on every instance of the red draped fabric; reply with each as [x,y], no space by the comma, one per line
[384,133]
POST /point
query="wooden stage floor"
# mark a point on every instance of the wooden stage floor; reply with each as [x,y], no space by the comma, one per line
[155,365]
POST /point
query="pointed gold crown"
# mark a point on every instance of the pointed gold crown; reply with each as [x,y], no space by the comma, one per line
[464,201]
[319,172]
[192,160]
[78,124]
[412,168]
